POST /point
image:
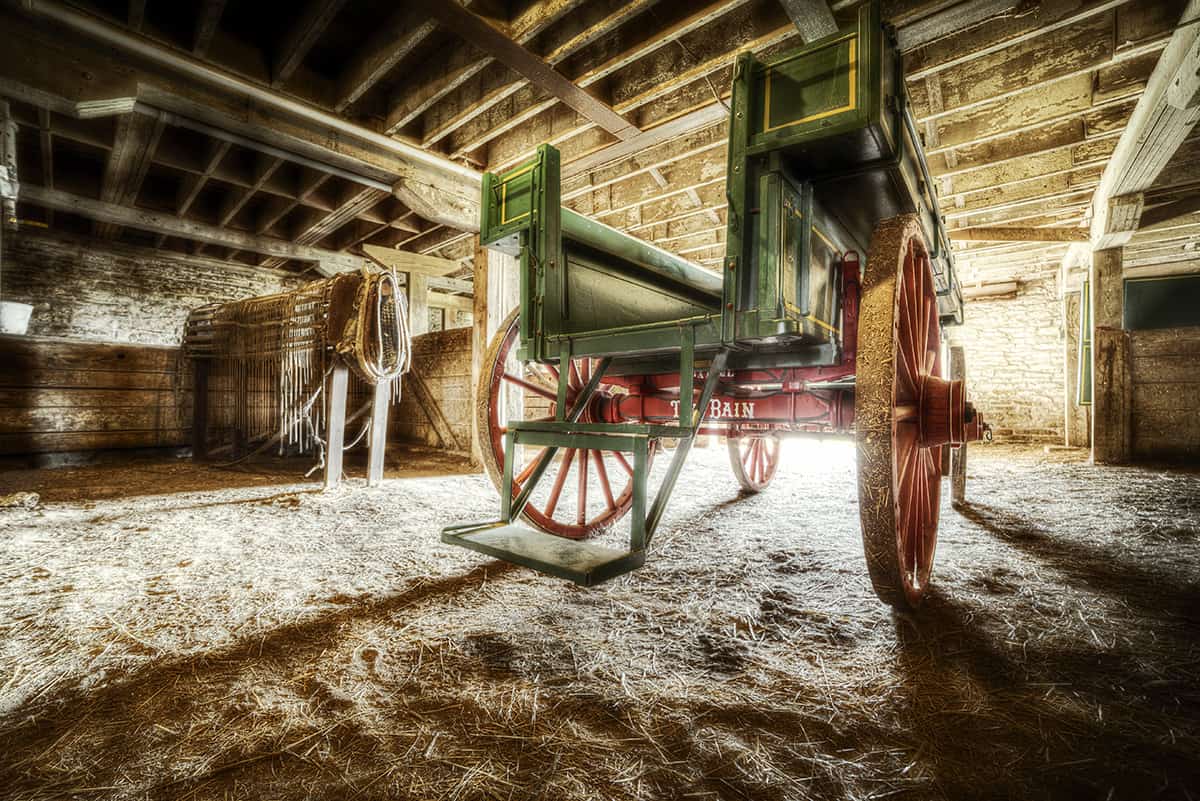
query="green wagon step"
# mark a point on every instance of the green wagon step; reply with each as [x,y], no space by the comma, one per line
[584,563]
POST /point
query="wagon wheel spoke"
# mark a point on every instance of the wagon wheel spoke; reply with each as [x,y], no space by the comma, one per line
[529,385]
[581,467]
[525,473]
[754,460]
[602,475]
[559,481]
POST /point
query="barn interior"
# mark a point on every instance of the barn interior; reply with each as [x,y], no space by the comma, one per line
[227,539]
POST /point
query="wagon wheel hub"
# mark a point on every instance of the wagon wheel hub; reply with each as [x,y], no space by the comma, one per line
[943,412]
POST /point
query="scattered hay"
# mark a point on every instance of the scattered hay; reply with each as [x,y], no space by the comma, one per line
[268,642]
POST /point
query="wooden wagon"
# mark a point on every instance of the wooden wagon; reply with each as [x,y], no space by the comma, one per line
[618,346]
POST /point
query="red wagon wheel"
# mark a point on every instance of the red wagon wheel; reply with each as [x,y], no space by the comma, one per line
[600,481]
[898,381]
[754,459]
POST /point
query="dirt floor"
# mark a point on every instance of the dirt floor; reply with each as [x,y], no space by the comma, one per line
[173,631]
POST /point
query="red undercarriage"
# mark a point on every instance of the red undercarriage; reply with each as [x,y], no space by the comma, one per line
[794,400]
[755,400]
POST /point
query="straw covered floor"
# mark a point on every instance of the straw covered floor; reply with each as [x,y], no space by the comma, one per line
[174,631]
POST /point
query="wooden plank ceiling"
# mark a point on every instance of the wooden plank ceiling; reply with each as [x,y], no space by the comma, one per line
[1020,102]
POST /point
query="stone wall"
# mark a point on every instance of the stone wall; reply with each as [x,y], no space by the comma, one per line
[1015,363]
[91,289]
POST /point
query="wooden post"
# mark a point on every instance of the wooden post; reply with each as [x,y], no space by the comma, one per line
[199,410]
[418,303]
[378,442]
[479,343]
[1111,390]
[335,426]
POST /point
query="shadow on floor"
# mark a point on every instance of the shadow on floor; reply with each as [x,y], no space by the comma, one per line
[160,475]
[997,717]
[1149,587]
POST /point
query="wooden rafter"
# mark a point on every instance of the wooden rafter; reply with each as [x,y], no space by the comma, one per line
[478,32]
[398,37]
[206,25]
[300,38]
[135,141]
[812,18]
[123,216]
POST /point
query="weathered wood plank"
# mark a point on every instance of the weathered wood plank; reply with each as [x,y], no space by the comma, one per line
[51,378]
[67,419]
[1166,342]
[72,441]
[1111,398]
[53,398]
[30,353]
[492,41]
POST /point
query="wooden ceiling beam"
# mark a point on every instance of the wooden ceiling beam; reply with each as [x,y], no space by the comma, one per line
[358,200]
[986,40]
[478,32]
[235,200]
[435,187]
[673,218]
[1018,234]
[812,18]
[1157,215]
[408,262]
[310,184]
[487,123]
[950,21]
[1163,119]
[1019,83]
[430,90]
[715,114]
[402,34]
[300,38]
[1005,132]
[135,140]
[330,261]
[206,25]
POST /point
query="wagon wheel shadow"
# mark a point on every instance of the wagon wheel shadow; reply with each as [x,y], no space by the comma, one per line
[992,718]
[1095,566]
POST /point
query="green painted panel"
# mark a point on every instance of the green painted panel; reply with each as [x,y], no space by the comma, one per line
[814,84]
[1167,302]
[605,293]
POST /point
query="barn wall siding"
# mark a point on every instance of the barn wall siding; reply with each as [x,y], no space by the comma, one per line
[92,289]
[61,396]
[442,364]
[1015,366]
[1165,373]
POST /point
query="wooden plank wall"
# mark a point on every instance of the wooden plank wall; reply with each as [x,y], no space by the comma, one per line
[1165,373]
[60,395]
[441,378]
